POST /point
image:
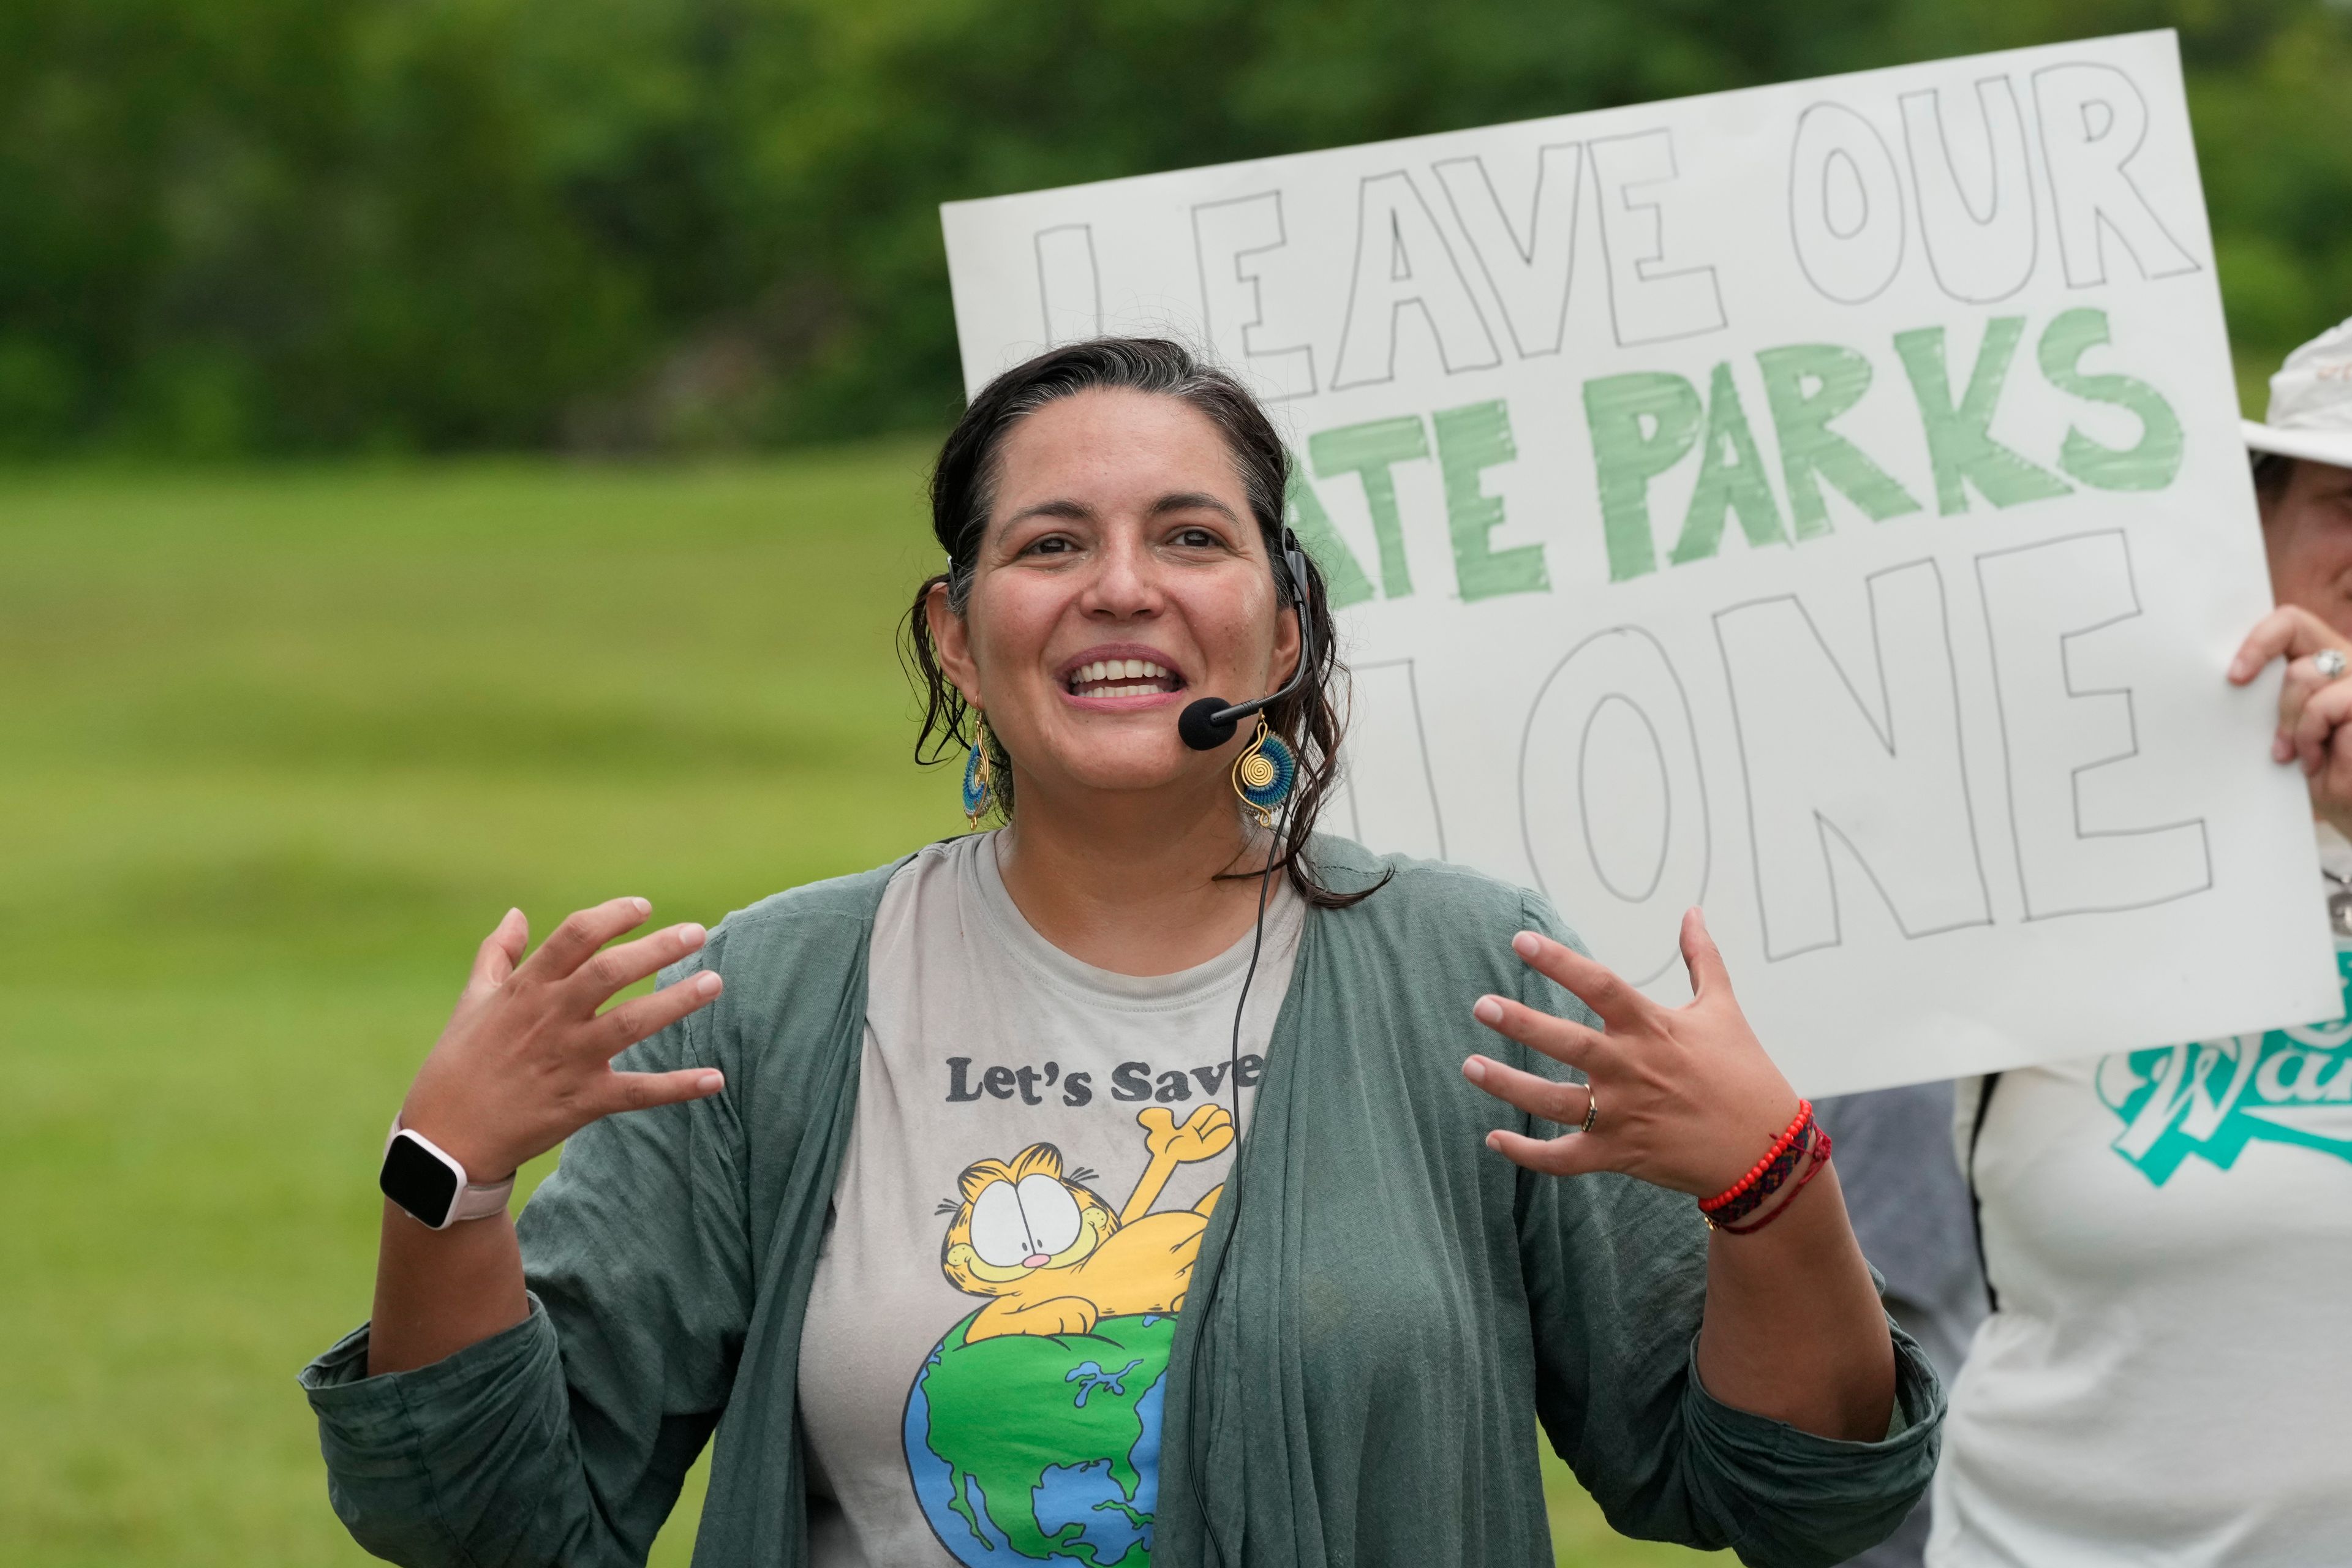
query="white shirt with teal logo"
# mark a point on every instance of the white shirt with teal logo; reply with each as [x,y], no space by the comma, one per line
[2169,1381]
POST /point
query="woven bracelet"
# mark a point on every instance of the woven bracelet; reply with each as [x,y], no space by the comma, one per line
[1713,1208]
[1817,1155]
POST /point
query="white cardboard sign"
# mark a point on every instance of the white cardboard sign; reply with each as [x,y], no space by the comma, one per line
[1823,502]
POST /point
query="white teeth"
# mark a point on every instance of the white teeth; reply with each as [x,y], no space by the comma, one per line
[1121,669]
[1118,677]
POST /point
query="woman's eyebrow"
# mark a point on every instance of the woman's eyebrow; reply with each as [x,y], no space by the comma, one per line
[1076,512]
[1193,500]
[1068,510]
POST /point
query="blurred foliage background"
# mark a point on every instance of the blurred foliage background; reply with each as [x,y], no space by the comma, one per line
[263,226]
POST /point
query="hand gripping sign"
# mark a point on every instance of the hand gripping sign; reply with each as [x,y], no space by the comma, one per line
[1824,501]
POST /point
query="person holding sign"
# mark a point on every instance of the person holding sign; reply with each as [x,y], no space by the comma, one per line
[2168,1232]
[1150,1179]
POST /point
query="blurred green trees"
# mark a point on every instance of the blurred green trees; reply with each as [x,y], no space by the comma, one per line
[256,226]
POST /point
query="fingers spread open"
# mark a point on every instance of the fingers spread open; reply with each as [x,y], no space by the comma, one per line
[574,943]
[499,952]
[634,1019]
[1555,1038]
[1708,974]
[1564,1103]
[1571,1154]
[639,1090]
[1595,983]
[627,962]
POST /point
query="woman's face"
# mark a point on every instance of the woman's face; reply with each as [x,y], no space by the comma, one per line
[2307,533]
[1119,578]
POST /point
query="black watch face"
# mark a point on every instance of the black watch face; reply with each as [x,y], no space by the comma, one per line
[417,1182]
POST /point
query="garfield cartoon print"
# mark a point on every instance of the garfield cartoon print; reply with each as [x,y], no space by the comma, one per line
[1033,1426]
[1052,1254]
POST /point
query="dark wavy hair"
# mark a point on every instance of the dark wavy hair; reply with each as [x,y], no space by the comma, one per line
[2273,473]
[963,488]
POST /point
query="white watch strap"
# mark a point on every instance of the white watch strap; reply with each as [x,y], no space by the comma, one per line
[478,1201]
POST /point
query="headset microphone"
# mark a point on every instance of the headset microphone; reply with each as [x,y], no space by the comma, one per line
[1209,723]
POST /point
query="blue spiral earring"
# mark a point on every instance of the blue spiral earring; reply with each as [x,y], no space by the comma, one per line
[1264,773]
[979,779]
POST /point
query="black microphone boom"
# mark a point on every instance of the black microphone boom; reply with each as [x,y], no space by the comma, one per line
[1210,722]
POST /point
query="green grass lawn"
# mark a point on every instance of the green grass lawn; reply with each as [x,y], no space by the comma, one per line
[280,749]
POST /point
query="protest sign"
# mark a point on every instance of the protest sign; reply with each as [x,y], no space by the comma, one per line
[1823,503]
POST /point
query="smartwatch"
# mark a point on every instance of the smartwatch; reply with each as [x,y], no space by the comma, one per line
[424,1179]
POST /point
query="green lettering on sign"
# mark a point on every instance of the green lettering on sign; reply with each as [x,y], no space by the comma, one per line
[1642,424]
[1959,440]
[1470,441]
[1369,451]
[1730,479]
[1344,581]
[1810,452]
[2150,465]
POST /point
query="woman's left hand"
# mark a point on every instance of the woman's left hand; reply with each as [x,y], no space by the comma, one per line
[1793,1330]
[1688,1099]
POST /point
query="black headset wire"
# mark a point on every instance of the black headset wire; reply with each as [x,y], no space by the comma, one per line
[1301,598]
[1232,1199]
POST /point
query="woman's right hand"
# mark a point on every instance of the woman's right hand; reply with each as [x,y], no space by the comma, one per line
[2315,726]
[526,1060]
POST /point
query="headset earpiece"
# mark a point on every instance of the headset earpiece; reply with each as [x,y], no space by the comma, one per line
[1291,575]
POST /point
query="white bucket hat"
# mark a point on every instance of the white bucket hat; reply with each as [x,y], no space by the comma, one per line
[2310,403]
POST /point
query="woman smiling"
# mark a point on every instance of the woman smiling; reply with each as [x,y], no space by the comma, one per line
[1150,1179]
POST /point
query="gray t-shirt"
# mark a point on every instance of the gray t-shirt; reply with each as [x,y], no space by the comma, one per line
[1037,1146]
[1910,1211]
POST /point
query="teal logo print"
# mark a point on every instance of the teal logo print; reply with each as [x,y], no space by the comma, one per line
[2211,1098]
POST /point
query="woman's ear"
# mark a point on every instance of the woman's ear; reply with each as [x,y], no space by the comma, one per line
[951,636]
[1287,644]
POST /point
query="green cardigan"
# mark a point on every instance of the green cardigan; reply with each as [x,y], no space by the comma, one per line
[1380,1315]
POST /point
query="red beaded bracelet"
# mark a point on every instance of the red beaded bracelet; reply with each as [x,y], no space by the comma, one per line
[1788,1135]
[1819,1156]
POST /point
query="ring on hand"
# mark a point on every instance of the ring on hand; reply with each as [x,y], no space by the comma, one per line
[2330,663]
[1592,1108]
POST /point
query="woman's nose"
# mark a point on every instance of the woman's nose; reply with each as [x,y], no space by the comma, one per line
[1126,582]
